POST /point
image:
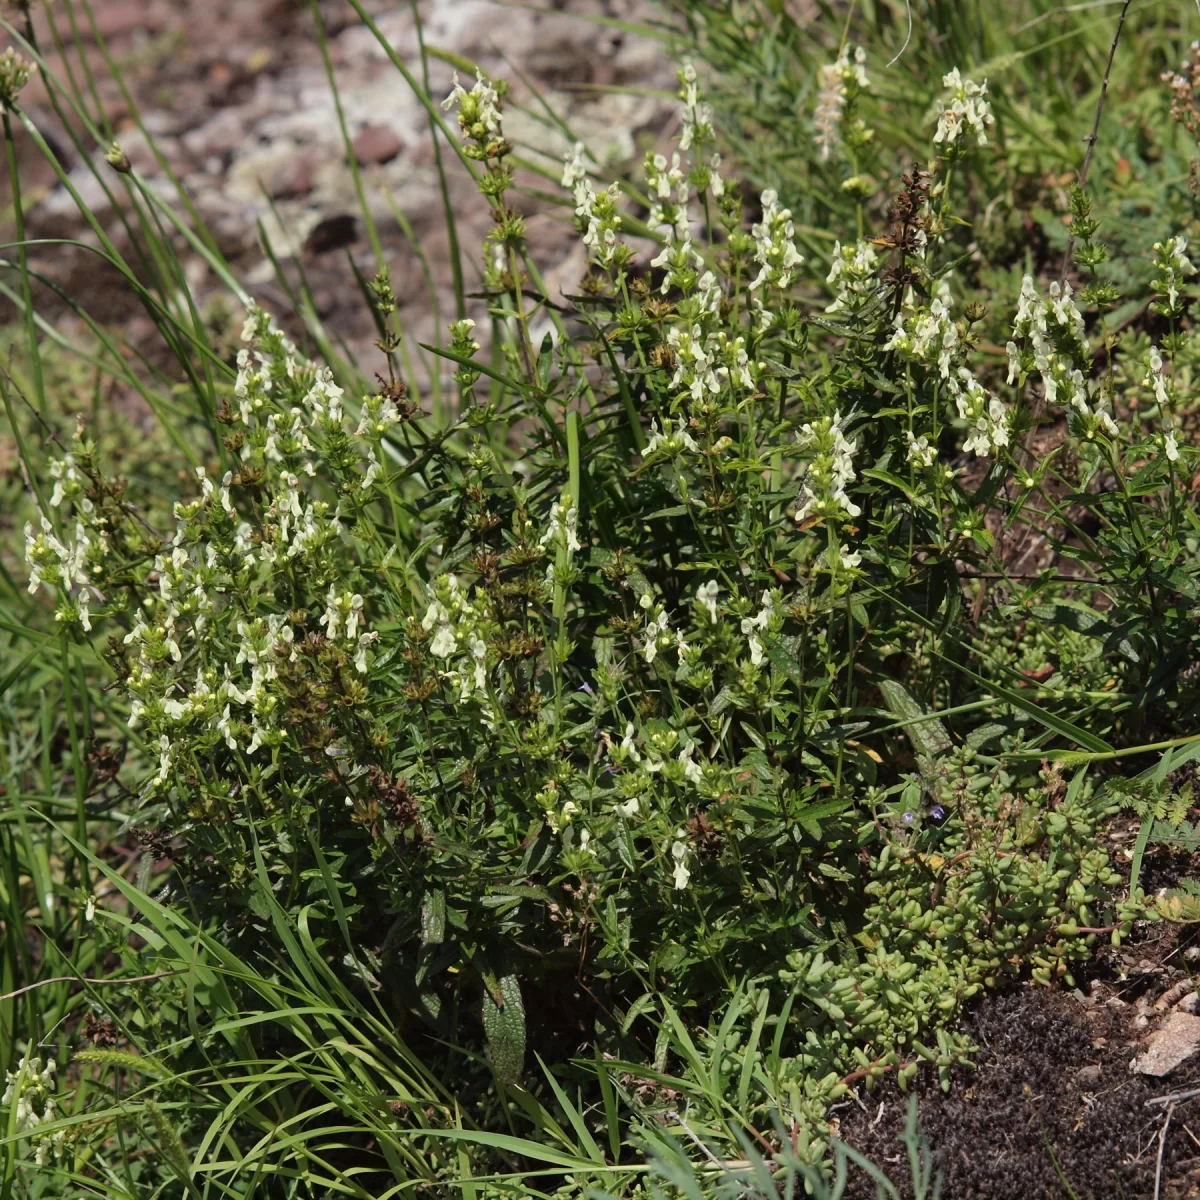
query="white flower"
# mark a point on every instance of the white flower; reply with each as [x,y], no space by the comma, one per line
[1014,361]
[706,596]
[752,626]
[828,471]
[574,170]
[681,873]
[31,1086]
[852,275]
[256,738]
[379,414]
[692,771]
[681,262]
[672,442]
[372,472]
[696,117]
[694,370]
[564,517]
[53,561]
[774,247]
[603,218]
[629,808]
[1170,446]
[342,609]
[67,482]
[985,415]
[920,452]
[478,109]
[325,399]
[966,107]
[444,642]
[360,654]
[1171,267]
[667,179]
[164,759]
[656,628]
[934,336]
[1158,379]
[1030,316]
[715,183]
[223,727]
[1063,309]
[628,748]
[333,616]
[460,335]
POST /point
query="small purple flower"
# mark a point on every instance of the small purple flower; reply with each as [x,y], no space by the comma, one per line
[938,814]
[587,687]
[909,817]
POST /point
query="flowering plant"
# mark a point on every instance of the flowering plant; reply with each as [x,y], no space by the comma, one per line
[671,676]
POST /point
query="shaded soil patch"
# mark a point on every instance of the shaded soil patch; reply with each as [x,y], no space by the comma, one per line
[1052,1085]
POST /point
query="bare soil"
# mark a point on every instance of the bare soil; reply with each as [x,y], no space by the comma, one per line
[235,96]
[1052,1109]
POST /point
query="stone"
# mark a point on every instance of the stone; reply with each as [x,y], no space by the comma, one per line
[1089,1076]
[293,178]
[223,135]
[376,144]
[1175,1041]
[335,233]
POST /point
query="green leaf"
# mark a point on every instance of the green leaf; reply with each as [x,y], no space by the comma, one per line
[927,734]
[781,650]
[1184,836]
[625,847]
[644,1002]
[504,1026]
[896,482]
[978,738]
[433,918]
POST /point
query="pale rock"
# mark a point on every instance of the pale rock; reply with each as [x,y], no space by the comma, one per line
[1175,1041]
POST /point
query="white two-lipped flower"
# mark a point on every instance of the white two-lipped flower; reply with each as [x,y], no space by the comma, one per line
[965,108]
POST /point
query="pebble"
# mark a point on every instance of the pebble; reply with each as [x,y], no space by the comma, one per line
[294,178]
[377,144]
[1175,1041]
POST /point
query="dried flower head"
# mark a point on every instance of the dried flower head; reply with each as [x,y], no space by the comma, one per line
[1184,84]
[837,83]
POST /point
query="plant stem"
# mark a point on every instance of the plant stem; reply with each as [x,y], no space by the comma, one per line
[1091,140]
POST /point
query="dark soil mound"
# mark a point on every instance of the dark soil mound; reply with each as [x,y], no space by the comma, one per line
[1052,1084]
